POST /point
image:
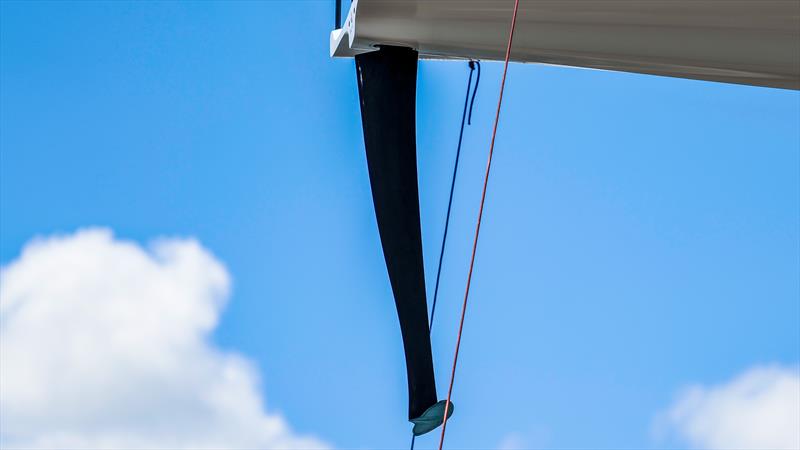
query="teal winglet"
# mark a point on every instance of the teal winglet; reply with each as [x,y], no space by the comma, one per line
[431,418]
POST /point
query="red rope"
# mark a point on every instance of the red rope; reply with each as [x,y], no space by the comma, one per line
[480,215]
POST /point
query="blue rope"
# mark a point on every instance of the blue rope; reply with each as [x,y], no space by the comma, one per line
[472,65]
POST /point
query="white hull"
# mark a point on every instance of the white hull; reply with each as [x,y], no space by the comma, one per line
[754,42]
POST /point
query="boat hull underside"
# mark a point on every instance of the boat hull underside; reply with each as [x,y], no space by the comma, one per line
[755,42]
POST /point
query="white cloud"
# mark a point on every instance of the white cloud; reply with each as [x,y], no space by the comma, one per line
[512,441]
[104,344]
[759,409]
[534,436]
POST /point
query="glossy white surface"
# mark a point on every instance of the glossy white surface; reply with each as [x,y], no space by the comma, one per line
[753,42]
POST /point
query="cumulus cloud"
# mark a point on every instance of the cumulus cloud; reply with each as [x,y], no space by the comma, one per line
[104,344]
[512,441]
[535,436]
[759,409]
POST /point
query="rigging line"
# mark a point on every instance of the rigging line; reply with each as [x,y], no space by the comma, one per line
[452,188]
[477,82]
[480,215]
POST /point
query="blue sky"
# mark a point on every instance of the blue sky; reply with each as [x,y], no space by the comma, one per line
[641,233]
